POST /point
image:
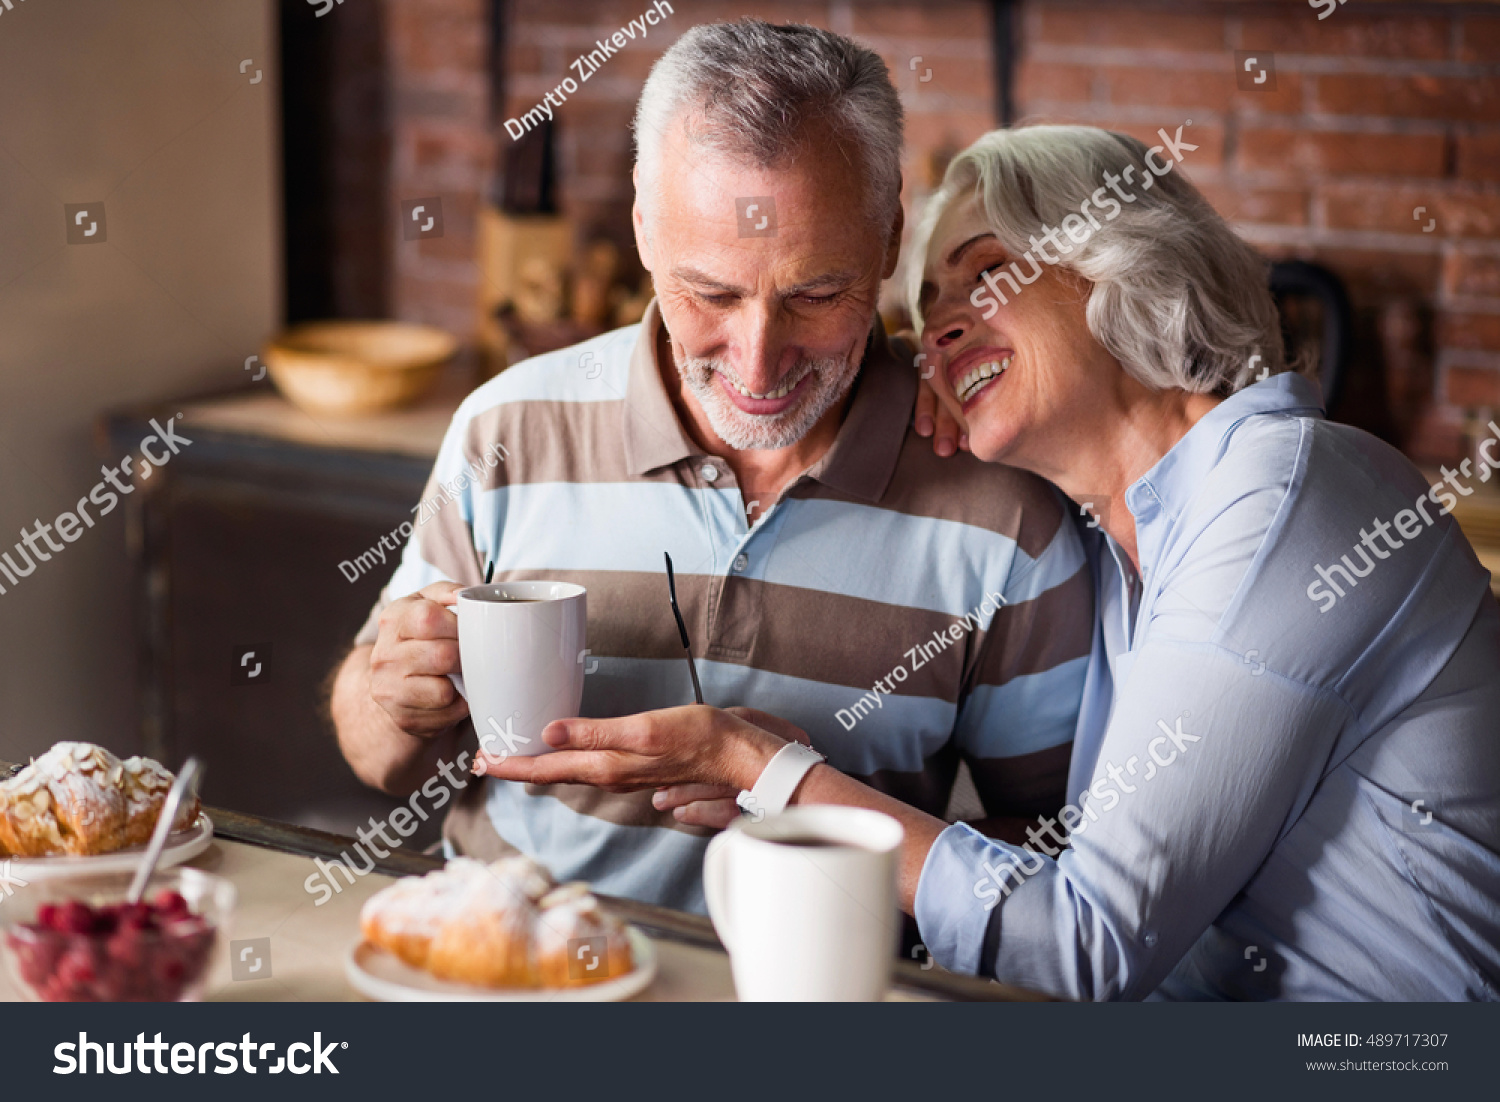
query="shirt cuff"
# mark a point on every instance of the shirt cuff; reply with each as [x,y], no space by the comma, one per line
[951,911]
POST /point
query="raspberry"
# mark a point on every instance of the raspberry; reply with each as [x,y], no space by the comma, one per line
[171,903]
[76,967]
[116,952]
[75,918]
[137,916]
[125,948]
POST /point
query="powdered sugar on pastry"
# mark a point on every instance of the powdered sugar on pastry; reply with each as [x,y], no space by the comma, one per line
[420,904]
[79,798]
[500,925]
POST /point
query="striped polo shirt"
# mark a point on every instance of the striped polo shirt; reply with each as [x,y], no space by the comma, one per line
[858,606]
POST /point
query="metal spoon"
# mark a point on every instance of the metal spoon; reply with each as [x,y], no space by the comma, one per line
[185,777]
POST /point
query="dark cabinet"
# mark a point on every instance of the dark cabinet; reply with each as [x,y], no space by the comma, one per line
[242,609]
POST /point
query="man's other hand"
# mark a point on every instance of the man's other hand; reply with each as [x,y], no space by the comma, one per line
[415,652]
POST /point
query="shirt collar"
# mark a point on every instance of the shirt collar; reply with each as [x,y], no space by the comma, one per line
[654,437]
[860,461]
[1164,491]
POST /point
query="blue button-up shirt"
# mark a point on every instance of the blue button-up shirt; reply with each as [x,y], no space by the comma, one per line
[1287,764]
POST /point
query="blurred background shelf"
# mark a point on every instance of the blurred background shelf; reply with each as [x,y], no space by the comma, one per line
[235,547]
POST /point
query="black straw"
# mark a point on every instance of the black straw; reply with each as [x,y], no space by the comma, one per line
[682,628]
[489,571]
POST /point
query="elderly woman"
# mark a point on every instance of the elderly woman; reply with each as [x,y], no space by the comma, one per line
[1285,772]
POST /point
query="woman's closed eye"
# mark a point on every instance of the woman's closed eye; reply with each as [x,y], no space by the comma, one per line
[987,268]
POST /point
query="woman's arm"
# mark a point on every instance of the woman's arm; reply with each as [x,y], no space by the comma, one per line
[696,746]
[1204,759]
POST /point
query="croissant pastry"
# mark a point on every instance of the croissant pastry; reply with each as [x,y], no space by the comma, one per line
[80,799]
[499,925]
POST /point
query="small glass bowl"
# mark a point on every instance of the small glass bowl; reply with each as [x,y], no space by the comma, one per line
[71,954]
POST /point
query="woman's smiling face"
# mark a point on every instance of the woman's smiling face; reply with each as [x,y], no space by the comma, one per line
[1029,376]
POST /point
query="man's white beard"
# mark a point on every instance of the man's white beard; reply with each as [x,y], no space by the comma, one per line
[830,380]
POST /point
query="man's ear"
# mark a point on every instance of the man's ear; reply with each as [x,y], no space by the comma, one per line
[893,245]
[638,223]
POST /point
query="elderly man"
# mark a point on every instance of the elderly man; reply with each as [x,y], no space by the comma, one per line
[757,426]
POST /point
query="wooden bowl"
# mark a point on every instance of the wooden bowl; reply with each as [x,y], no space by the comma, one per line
[350,368]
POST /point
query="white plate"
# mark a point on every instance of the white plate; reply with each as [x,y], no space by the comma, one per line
[377,974]
[181,846]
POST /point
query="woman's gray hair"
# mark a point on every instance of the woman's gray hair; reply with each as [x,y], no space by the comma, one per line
[750,88]
[1178,298]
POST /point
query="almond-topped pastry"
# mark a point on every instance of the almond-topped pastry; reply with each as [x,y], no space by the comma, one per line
[498,925]
[80,799]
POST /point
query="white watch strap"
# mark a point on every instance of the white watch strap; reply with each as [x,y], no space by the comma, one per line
[778,780]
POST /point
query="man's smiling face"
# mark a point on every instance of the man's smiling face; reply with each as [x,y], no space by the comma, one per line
[767,332]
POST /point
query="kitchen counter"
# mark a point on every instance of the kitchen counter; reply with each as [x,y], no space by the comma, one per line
[268,863]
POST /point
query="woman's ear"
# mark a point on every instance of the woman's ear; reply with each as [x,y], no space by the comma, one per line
[893,243]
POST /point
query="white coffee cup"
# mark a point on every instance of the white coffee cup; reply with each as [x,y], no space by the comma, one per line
[520,647]
[805,902]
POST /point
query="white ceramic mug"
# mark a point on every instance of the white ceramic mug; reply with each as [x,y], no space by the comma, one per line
[520,646]
[805,902]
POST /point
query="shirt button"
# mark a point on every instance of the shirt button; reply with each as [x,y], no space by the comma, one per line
[1150,940]
[741,561]
[709,472]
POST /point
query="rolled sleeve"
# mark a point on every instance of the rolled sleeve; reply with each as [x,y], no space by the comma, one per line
[950,912]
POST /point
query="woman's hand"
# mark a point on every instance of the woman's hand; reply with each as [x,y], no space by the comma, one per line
[933,417]
[715,805]
[690,745]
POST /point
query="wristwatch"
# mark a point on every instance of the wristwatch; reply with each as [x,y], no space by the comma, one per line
[777,781]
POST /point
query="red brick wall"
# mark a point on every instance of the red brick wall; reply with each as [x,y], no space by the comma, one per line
[441,145]
[952,107]
[1378,110]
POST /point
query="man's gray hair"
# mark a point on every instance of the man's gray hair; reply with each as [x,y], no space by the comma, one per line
[1178,298]
[749,89]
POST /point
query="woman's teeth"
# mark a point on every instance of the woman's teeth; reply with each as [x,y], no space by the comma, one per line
[969,385]
[780,392]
